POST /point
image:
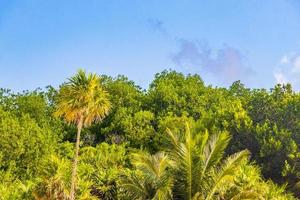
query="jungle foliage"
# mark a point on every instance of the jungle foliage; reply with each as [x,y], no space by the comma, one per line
[178,139]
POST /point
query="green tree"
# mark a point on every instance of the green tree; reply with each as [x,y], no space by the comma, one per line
[127,101]
[174,92]
[136,128]
[82,101]
[30,143]
[275,138]
[101,166]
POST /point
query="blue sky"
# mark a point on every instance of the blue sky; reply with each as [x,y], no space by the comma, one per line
[255,41]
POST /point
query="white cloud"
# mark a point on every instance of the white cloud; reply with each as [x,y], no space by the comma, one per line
[285,59]
[288,70]
[280,78]
[296,63]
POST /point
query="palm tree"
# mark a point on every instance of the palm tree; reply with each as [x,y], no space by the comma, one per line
[200,172]
[151,180]
[192,169]
[81,101]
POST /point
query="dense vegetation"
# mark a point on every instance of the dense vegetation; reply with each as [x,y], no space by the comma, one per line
[179,139]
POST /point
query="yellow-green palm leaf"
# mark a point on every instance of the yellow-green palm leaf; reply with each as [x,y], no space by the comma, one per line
[83,97]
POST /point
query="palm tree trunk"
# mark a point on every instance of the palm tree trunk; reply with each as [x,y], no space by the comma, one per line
[74,167]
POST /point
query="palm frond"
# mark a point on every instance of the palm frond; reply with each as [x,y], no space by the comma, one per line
[152,179]
[214,150]
[134,186]
[225,174]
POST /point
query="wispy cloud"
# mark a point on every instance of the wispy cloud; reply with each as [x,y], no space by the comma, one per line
[284,60]
[226,64]
[280,78]
[288,70]
[296,65]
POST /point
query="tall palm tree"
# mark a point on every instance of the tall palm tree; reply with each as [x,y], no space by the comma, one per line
[201,173]
[81,101]
[152,180]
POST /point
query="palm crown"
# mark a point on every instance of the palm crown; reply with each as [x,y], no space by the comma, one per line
[83,99]
[201,171]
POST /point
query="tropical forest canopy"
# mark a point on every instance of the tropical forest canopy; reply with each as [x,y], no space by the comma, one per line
[179,139]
